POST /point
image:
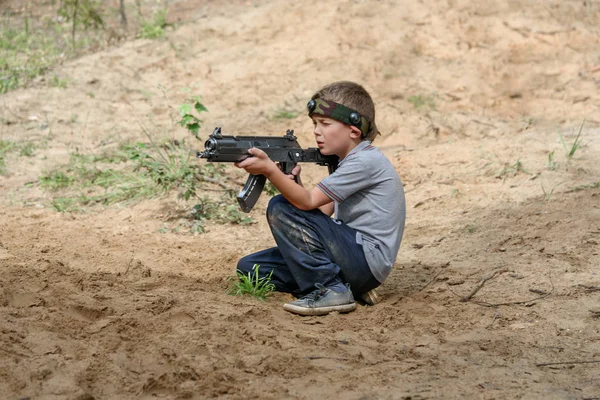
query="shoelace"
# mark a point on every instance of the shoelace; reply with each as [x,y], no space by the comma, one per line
[317,293]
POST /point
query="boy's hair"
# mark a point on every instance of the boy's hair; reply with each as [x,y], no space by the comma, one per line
[354,96]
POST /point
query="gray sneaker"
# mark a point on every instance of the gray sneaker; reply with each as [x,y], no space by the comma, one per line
[322,301]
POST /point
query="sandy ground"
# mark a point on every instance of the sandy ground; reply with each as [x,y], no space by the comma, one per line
[496,289]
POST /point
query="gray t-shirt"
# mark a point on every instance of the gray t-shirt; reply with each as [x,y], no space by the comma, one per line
[369,197]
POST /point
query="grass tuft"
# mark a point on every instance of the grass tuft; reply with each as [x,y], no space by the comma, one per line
[570,150]
[252,285]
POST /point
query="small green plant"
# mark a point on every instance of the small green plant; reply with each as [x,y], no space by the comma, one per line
[63,204]
[570,151]
[252,285]
[188,120]
[55,180]
[420,101]
[81,13]
[548,195]
[155,27]
[233,214]
[283,113]
[58,82]
[270,189]
[470,228]
[594,185]
[511,170]
[551,164]
[170,165]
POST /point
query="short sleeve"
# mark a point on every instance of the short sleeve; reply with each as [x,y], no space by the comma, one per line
[349,178]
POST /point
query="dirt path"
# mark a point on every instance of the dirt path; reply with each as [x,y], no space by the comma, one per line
[496,289]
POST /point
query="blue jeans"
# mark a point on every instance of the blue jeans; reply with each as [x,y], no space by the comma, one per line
[311,248]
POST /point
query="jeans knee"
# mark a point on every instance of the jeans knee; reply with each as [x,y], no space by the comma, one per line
[245,265]
[277,207]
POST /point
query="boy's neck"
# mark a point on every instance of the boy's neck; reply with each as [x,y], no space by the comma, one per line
[351,147]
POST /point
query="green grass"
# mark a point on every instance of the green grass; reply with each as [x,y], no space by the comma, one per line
[154,28]
[551,164]
[30,48]
[137,171]
[421,101]
[285,114]
[26,53]
[594,185]
[570,150]
[511,170]
[252,285]
[470,229]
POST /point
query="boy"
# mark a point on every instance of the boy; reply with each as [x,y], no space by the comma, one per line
[319,259]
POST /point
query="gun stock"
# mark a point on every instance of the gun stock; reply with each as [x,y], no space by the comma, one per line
[284,150]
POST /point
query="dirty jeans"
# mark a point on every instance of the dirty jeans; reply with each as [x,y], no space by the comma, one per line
[311,248]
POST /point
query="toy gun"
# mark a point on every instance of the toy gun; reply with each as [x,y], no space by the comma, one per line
[283,150]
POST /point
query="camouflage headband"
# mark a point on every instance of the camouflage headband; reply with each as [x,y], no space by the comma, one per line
[338,112]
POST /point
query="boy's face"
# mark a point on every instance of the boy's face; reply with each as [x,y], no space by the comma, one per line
[334,137]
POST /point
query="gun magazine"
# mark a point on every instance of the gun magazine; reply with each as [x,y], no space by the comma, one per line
[249,195]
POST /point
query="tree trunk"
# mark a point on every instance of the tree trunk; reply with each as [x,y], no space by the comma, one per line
[123,16]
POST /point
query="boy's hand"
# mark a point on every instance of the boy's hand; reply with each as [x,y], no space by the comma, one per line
[295,172]
[260,164]
[295,175]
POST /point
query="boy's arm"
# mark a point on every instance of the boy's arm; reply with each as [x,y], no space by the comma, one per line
[328,208]
[297,195]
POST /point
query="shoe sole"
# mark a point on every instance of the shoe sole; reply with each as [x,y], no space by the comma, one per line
[344,308]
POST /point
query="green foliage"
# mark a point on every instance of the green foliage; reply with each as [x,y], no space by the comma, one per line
[29,48]
[570,150]
[136,171]
[551,164]
[155,27]
[270,189]
[169,165]
[55,180]
[252,285]
[6,146]
[420,101]
[24,56]
[470,229]
[594,185]
[284,113]
[82,13]
[221,211]
[548,194]
[511,170]
[63,204]
[58,82]
[188,120]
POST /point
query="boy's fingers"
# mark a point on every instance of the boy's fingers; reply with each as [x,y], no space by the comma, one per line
[257,152]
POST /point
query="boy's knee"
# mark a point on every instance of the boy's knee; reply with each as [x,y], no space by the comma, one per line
[277,206]
[245,265]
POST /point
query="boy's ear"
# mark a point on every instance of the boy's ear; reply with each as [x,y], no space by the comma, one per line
[356,133]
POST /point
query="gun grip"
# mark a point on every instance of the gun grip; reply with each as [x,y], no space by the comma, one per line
[287,167]
[249,195]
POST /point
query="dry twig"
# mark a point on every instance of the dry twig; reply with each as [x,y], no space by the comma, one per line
[568,362]
[481,283]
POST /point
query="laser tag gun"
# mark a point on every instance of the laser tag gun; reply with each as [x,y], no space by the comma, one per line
[283,150]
